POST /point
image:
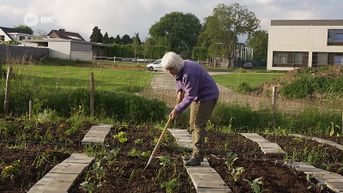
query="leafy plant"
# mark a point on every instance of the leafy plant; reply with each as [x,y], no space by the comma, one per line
[230,160]
[11,171]
[170,186]
[236,173]
[138,141]
[121,136]
[256,184]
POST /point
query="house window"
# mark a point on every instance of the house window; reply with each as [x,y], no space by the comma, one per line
[335,37]
[325,59]
[2,38]
[21,38]
[290,59]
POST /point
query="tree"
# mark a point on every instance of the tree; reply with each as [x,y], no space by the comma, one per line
[135,43]
[24,29]
[105,39]
[259,42]
[126,39]
[179,31]
[117,40]
[223,29]
[96,35]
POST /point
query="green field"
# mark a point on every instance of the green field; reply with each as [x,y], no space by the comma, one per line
[69,77]
[233,80]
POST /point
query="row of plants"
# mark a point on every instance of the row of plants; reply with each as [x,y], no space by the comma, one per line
[320,155]
[237,118]
[22,165]
[119,165]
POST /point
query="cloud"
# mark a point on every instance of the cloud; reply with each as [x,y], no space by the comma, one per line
[137,16]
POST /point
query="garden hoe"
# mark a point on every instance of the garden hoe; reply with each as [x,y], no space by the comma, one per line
[159,141]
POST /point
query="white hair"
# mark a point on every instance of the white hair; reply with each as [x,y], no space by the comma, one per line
[171,60]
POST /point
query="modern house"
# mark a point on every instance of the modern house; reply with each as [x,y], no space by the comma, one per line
[293,44]
[68,46]
[11,34]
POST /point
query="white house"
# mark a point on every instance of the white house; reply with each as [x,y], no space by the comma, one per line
[11,34]
[68,46]
[304,43]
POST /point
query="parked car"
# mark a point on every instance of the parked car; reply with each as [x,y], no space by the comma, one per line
[247,65]
[155,66]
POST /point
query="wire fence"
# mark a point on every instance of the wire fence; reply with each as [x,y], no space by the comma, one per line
[162,87]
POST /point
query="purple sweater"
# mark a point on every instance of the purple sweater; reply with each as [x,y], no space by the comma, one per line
[197,84]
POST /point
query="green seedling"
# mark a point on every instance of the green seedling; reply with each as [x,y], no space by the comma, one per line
[256,184]
[121,136]
[170,186]
[11,171]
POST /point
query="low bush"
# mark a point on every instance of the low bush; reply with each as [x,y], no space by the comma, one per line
[120,105]
[243,119]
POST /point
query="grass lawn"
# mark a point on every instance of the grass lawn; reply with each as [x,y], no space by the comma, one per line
[71,77]
[233,80]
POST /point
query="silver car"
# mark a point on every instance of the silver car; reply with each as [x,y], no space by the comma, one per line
[155,66]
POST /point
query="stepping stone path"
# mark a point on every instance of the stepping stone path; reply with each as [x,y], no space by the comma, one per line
[320,140]
[331,180]
[97,134]
[269,149]
[204,177]
[182,137]
[61,178]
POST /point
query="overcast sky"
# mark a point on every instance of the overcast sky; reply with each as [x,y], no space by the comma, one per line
[136,16]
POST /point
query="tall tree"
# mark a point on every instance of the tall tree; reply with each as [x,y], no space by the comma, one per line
[259,42]
[224,27]
[180,31]
[96,35]
[135,43]
[105,39]
[126,39]
[117,40]
[24,29]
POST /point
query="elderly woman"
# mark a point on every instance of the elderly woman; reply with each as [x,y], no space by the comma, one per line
[195,88]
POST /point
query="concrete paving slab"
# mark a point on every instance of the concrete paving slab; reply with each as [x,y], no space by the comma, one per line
[79,158]
[333,181]
[320,140]
[268,148]
[69,168]
[96,134]
[213,190]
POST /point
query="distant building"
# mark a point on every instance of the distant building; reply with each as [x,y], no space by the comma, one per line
[11,34]
[62,34]
[68,46]
[304,43]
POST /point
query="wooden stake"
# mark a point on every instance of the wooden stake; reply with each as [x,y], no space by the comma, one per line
[7,91]
[30,109]
[274,95]
[91,93]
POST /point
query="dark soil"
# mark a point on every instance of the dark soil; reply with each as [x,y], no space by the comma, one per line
[125,173]
[22,166]
[338,140]
[59,133]
[274,175]
[320,155]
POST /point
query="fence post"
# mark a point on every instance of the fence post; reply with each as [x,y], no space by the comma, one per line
[342,124]
[274,95]
[7,91]
[91,93]
[30,109]
[114,59]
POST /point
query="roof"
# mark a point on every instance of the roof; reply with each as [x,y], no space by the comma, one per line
[65,35]
[67,40]
[8,30]
[306,22]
